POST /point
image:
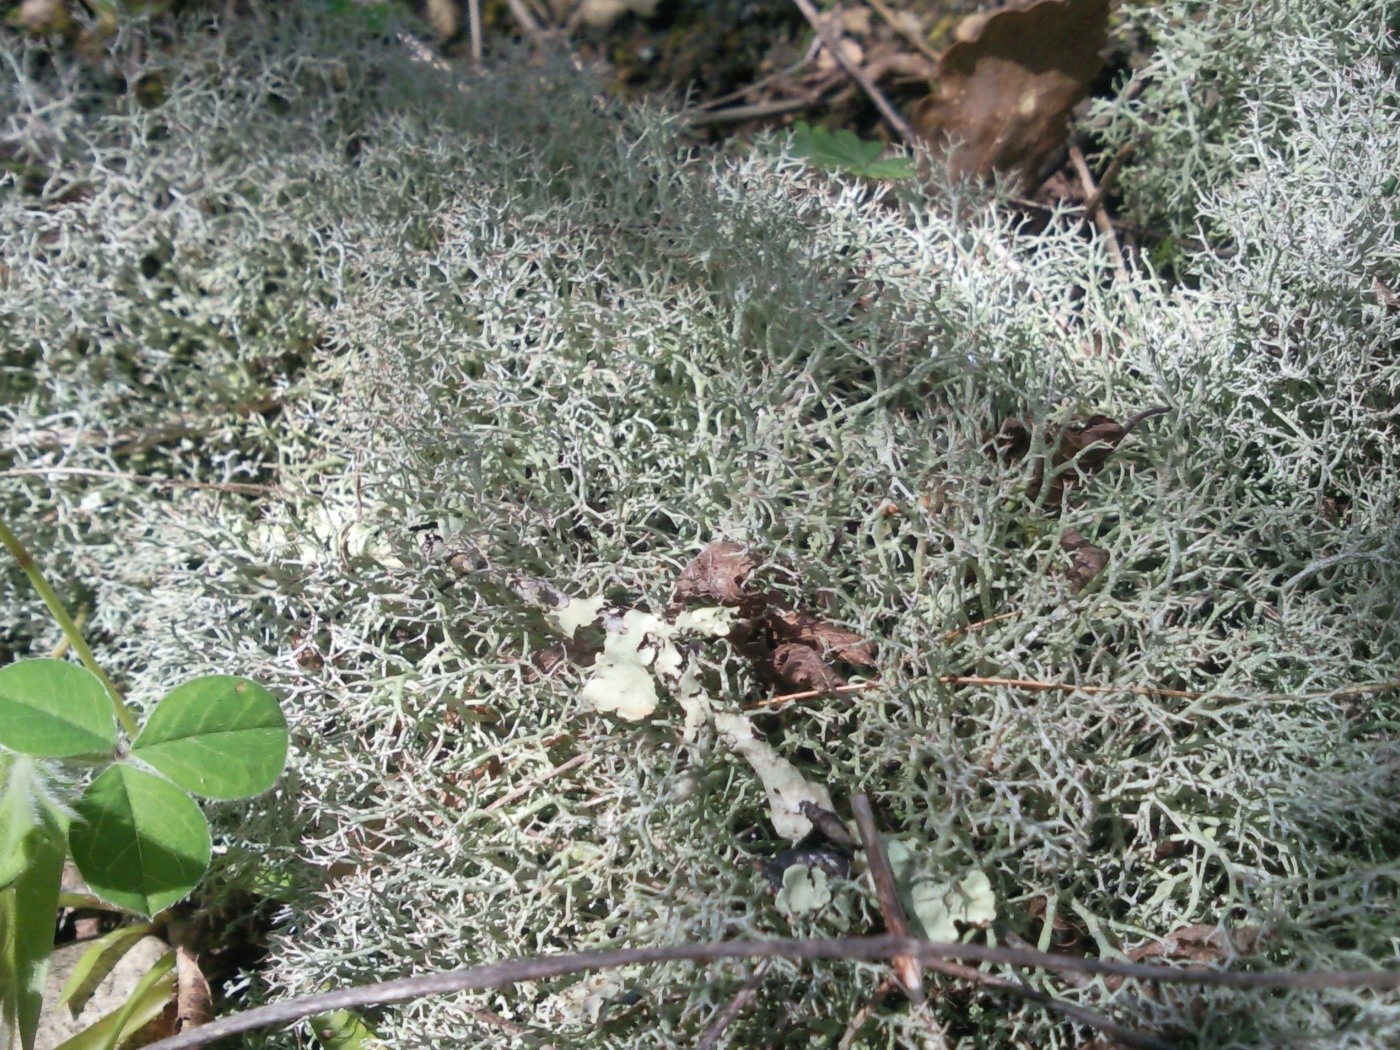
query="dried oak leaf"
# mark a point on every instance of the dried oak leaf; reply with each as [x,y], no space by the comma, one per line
[1200,944]
[1004,91]
[193,999]
[1086,560]
[717,574]
[1082,448]
[1385,295]
[799,665]
[826,639]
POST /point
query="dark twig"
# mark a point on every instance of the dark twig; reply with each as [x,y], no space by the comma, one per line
[733,1008]
[915,39]
[505,974]
[833,46]
[1097,217]
[1036,686]
[1122,1033]
[883,991]
[905,968]
[1091,206]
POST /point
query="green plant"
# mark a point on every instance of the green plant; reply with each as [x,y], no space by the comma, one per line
[844,151]
[135,834]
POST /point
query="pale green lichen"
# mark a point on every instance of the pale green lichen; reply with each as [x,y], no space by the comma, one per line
[786,787]
[543,327]
[804,890]
[937,906]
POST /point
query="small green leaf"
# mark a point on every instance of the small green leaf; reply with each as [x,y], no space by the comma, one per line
[343,1030]
[141,842]
[97,962]
[146,1002]
[890,168]
[30,820]
[844,151]
[219,736]
[27,912]
[54,709]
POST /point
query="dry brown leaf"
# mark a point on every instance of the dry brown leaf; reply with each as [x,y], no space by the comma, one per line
[717,574]
[799,665]
[566,653]
[1087,443]
[1385,296]
[830,641]
[1004,91]
[1086,560]
[1202,943]
[194,1005]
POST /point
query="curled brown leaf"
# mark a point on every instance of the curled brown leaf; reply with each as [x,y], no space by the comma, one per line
[799,665]
[832,642]
[1004,91]
[1086,560]
[1081,449]
[718,573]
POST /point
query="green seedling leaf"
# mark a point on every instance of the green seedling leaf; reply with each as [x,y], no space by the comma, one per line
[147,1001]
[141,842]
[219,737]
[844,151]
[54,709]
[344,1030]
[27,910]
[96,963]
[30,820]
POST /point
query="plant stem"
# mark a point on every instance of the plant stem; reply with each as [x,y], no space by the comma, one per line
[70,629]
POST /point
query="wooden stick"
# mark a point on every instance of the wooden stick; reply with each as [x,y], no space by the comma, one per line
[734,1007]
[1097,217]
[1035,686]
[833,46]
[905,967]
[515,971]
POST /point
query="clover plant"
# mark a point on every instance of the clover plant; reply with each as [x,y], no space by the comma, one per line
[135,833]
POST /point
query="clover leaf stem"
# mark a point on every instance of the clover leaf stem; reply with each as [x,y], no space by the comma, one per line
[65,622]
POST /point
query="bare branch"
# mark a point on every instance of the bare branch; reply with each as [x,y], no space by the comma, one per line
[504,974]
[898,124]
[733,1008]
[905,968]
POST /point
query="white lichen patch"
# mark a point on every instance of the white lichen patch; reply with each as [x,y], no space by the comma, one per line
[804,889]
[935,906]
[786,787]
[580,612]
[640,648]
[622,682]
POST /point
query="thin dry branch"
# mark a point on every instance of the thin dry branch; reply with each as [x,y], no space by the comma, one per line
[917,42]
[1036,686]
[1110,173]
[905,968]
[756,111]
[833,46]
[505,974]
[1097,216]
[904,965]
[733,1008]
[240,487]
